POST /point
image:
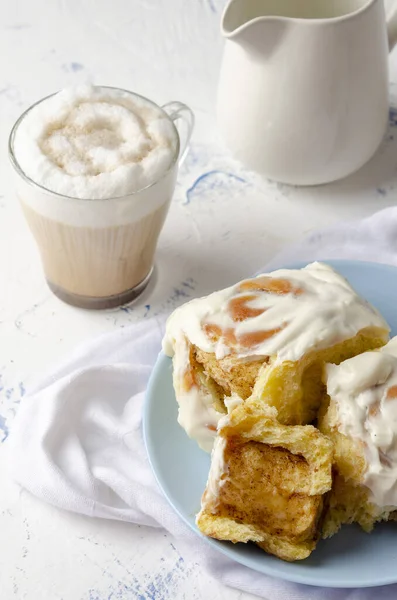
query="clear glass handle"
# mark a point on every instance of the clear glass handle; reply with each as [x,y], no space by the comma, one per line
[183,118]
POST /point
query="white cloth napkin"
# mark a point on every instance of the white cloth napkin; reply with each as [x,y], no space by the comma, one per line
[77,443]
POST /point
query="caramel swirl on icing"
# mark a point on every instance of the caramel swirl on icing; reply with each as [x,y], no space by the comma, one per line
[270,285]
[215,333]
[251,340]
[234,341]
[374,409]
[189,378]
[240,311]
[391,393]
[284,314]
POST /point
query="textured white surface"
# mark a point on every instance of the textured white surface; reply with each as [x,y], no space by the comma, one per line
[165,49]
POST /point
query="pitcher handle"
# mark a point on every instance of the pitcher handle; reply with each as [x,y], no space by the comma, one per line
[183,118]
[392,26]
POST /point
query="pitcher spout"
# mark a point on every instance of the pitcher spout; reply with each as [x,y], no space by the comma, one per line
[237,17]
[243,22]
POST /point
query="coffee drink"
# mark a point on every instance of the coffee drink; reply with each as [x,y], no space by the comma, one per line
[96,169]
[97,267]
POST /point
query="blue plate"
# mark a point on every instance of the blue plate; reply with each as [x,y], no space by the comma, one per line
[351,558]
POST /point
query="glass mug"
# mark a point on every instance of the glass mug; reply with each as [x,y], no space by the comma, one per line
[100,254]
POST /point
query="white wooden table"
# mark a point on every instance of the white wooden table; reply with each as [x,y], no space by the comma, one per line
[167,50]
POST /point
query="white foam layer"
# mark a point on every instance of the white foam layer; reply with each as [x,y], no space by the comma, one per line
[97,213]
[94,143]
[284,313]
[365,391]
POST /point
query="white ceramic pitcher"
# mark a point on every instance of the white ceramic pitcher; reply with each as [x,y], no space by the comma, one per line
[303,93]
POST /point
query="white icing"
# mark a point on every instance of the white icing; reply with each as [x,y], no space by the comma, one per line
[231,402]
[217,470]
[93,142]
[359,387]
[327,311]
[196,413]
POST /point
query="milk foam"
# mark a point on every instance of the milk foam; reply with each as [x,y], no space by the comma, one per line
[92,142]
